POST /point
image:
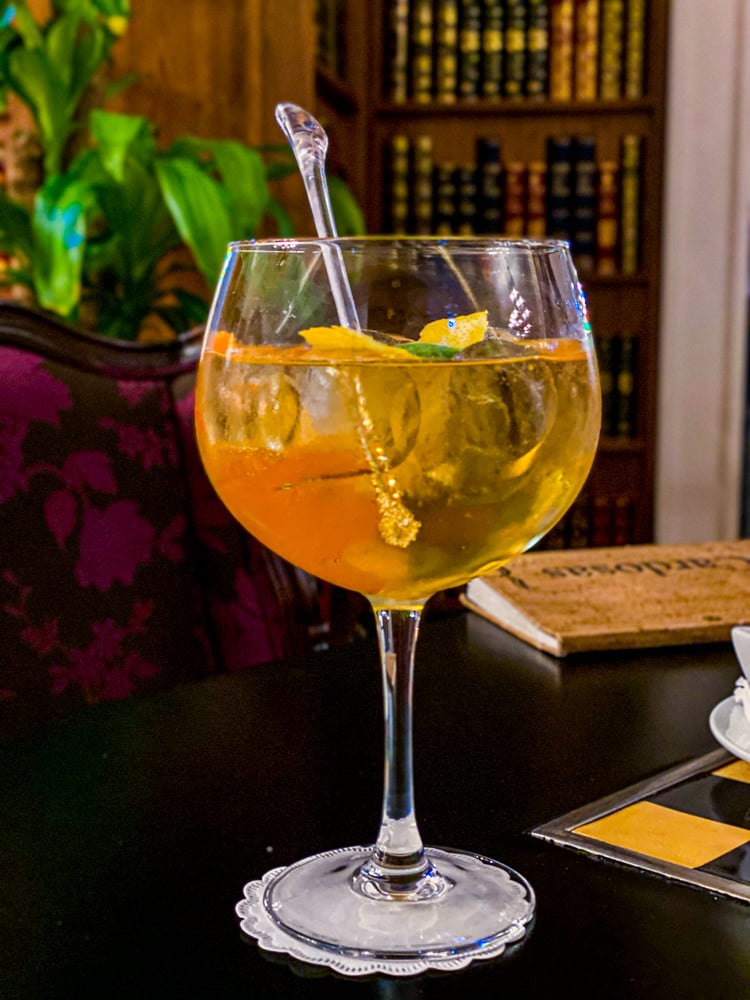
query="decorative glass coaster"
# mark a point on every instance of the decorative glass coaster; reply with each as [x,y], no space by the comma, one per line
[690,824]
[509,896]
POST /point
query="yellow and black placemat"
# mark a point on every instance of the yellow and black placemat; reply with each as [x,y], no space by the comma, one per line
[691,823]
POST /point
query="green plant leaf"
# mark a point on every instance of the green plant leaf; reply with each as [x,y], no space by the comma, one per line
[59,241]
[60,44]
[34,77]
[16,14]
[283,220]
[243,175]
[89,54]
[94,10]
[199,212]
[346,211]
[121,137]
[241,172]
[15,227]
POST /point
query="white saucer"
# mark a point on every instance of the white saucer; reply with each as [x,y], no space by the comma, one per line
[731,728]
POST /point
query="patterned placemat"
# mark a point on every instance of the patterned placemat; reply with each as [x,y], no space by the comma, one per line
[691,823]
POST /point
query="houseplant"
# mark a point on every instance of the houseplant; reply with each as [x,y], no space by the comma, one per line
[115,220]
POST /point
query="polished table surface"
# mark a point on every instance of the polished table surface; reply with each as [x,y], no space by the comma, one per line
[128,831]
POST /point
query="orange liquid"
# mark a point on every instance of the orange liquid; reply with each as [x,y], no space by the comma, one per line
[397,480]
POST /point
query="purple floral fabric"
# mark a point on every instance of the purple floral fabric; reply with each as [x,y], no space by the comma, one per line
[120,570]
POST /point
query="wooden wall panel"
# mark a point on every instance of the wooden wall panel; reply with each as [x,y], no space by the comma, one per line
[217,68]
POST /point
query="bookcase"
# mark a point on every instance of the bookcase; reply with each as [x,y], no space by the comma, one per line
[524,117]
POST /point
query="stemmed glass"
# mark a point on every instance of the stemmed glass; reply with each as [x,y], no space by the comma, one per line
[397,432]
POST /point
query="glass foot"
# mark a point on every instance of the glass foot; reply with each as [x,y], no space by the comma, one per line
[313,911]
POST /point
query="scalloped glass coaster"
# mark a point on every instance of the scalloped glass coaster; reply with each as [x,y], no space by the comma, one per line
[258,922]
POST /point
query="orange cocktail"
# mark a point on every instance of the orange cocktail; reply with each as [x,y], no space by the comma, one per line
[391,472]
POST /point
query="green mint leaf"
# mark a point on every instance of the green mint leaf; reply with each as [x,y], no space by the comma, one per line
[429,350]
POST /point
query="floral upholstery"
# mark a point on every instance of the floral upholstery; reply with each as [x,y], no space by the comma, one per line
[120,570]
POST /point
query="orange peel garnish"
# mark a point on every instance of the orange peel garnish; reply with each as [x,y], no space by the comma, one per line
[341,338]
[458,331]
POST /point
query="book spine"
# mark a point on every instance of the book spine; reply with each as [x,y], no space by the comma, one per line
[397,51]
[611,49]
[601,521]
[493,23]
[635,48]
[489,187]
[555,539]
[561,61]
[536,200]
[537,49]
[421,50]
[607,351]
[466,200]
[623,520]
[607,218]
[630,208]
[444,190]
[421,186]
[446,51]
[397,171]
[470,45]
[583,207]
[559,186]
[579,524]
[515,198]
[586,49]
[514,70]
[627,375]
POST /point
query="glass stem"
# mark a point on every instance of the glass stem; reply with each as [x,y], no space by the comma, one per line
[398,868]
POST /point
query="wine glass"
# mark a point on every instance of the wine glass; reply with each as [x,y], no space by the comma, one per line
[397,416]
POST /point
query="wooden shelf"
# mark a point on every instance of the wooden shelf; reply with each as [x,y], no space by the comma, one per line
[500,107]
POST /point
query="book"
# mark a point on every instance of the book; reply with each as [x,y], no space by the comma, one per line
[470,48]
[584,202]
[466,200]
[514,70]
[444,193]
[586,49]
[537,48]
[562,35]
[493,22]
[446,51]
[611,49]
[635,45]
[397,51]
[421,50]
[601,521]
[607,214]
[489,186]
[397,171]
[514,209]
[421,185]
[578,523]
[607,352]
[619,597]
[623,517]
[559,186]
[625,387]
[630,204]
[536,199]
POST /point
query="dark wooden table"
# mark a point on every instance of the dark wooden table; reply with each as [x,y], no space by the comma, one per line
[128,831]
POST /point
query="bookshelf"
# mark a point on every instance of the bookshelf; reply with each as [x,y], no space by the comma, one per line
[606,93]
